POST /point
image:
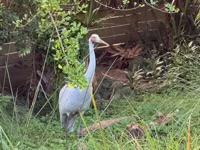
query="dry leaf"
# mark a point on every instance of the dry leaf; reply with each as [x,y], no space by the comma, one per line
[125,53]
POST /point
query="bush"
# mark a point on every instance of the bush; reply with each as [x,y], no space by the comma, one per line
[50,30]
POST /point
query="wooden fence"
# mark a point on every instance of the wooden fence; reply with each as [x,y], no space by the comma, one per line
[113,27]
[117,26]
[15,71]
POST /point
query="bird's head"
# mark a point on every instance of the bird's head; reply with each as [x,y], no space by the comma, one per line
[94,38]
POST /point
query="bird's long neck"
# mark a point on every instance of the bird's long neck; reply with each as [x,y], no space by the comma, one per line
[92,63]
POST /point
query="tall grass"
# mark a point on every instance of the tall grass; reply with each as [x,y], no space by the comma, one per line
[44,132]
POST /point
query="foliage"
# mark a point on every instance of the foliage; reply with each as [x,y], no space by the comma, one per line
[5,104]
[197,18]
[171,8]
[90,16]
[6,24]
[168,7]
[65,34]
[183,23]
[184,66]
[4,140]
[125,2]
[20,7]
[184,69]
[153,2]
[45,132]
[11,12]
[51,28]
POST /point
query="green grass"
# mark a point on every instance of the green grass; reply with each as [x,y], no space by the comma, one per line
[45,133]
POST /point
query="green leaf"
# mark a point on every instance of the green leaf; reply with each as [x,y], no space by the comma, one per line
[59,66]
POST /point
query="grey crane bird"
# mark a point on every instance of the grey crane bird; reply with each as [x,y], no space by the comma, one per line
[72,100]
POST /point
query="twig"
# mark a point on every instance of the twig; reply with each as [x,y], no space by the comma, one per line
[9,43]
[103,124]
[147,3]
[105,74]
[106,107]
[38,86]
[150,5]
[116,8]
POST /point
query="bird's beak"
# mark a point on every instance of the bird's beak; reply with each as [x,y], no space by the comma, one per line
[103,42]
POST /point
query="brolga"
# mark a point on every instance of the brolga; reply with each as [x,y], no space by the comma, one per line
[72,100]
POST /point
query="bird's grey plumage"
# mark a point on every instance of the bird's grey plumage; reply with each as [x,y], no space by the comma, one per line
[73,101]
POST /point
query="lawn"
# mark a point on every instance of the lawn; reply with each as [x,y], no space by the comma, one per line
[45,133]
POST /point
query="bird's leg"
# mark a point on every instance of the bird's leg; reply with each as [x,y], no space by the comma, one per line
[66,121]
[71,121]
[66,136]
[68,125]
[79,127]
[78,131]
